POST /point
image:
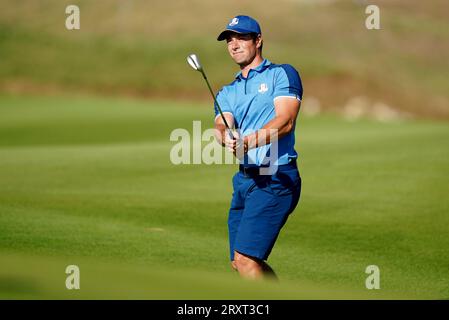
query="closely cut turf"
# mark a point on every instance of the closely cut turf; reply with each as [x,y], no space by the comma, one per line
[88,181]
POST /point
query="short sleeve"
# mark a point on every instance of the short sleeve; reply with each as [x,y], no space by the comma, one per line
[223,102]
[288,83]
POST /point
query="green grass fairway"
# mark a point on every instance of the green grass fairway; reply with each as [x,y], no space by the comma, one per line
[88,181]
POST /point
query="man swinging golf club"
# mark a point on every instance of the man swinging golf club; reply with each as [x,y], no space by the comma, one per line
[262,104]
[264,98]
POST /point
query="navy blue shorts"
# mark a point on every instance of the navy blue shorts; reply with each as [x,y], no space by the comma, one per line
[260,207]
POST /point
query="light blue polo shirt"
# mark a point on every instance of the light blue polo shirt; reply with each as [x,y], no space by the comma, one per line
[251,102]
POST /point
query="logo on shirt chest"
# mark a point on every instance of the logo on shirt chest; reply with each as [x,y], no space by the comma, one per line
[263,88]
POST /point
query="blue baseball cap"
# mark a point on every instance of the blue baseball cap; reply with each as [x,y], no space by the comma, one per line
[241,24]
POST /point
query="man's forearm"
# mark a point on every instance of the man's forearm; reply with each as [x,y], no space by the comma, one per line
[220,131]
[273,130]
[220,127]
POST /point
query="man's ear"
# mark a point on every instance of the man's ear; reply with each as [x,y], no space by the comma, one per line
[259,41]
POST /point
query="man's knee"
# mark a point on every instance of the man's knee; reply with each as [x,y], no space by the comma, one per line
[233,265]
[243,262]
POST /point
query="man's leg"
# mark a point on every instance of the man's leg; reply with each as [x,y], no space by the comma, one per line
[265,212]
[252,268]
[235,214]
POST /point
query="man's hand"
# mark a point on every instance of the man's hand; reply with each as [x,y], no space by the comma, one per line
[237,145]
[220,127]
[230,143]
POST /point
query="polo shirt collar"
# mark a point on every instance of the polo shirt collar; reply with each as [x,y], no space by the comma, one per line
[261,67]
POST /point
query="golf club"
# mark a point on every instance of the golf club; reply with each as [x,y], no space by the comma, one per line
[194,62]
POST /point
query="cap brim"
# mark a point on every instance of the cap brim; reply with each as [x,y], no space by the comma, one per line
[222,36]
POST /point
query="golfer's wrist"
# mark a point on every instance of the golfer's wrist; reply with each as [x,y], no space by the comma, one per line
[220,136]
[250,141]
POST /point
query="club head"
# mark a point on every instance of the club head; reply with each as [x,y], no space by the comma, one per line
[194,62]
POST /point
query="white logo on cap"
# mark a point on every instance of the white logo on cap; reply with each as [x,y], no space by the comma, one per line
[234,22]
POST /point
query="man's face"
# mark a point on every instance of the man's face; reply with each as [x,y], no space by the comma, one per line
[242,47]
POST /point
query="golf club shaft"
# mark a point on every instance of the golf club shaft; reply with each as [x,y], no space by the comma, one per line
[218,106]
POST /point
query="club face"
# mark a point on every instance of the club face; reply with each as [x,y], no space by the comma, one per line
[194,62]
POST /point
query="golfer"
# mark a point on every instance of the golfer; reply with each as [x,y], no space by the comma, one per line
[261,105]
